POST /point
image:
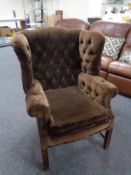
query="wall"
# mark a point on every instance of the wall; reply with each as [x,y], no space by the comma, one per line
[6,7]
[117,6]
[105,6]
[79,8]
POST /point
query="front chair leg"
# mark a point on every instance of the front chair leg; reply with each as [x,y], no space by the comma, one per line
[45,159]
[107,138]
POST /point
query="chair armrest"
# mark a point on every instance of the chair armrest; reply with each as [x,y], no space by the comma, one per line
[36,101]
[97,88]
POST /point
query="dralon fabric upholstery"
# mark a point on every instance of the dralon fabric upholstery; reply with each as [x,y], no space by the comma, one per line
[79,111]
[58,59]
[91,47]
[97,88]
[51,60]
[60,65]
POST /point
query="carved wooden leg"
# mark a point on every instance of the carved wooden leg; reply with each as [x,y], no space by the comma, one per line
[45,159]
[107,139]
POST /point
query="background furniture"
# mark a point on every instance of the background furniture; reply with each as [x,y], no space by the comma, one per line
[21,20]
[93,19]
[66,110]
[73,23]
[115,71]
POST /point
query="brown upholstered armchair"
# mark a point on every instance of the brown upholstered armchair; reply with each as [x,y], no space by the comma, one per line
[60,74]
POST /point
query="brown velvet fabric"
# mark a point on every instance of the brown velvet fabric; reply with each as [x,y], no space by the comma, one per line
[50,58]
[22,49]
[71,109]
[36,100]
[91,46]
[55,56]
[97,88]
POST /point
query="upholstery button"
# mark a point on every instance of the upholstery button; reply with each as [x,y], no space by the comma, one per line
[91,51]
[81,40]
[103,81]
[87,61]
[84,51]
[82,84]
[84,69]
[89,41]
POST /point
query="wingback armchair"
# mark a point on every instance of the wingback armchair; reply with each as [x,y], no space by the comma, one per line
[60,73]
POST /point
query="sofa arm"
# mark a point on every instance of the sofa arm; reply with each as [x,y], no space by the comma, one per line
[97,88]
[36,102]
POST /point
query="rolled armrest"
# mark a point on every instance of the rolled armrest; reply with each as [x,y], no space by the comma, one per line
[97,88]
[36,101]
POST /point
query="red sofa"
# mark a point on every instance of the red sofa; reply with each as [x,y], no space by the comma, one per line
[115,71]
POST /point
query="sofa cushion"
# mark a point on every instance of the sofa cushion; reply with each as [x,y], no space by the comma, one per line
[120,68]
[127,45]
[72,109]
[113,46]
[105,61]
[123,84]
[126,57]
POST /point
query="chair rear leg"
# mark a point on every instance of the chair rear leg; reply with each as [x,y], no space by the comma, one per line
[107,139]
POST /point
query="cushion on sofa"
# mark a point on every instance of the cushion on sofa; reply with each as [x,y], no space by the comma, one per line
[120,68]
[113,46]
[126,57]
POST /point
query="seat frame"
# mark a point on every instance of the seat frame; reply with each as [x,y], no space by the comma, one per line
[46,141]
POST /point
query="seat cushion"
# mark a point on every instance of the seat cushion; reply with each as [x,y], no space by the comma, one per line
[71,109]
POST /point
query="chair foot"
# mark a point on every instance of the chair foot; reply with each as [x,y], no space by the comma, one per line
[107,139]
[45,159]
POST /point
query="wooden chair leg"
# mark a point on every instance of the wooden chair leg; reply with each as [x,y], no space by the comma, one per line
[45,159]
[107,139]
[44,151]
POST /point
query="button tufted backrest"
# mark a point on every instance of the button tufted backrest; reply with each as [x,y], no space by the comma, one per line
[91,46]
[55,56]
